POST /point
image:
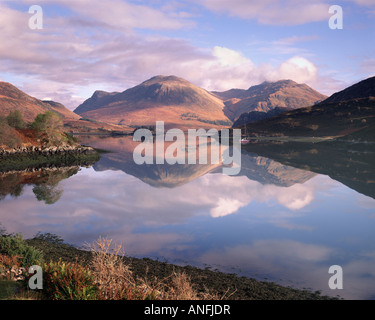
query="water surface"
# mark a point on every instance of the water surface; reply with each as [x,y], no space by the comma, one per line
[292,212]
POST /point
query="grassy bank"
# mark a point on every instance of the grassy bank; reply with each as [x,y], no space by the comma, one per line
[103,273]
[219,284]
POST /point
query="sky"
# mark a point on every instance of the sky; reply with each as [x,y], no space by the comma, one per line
[88,45]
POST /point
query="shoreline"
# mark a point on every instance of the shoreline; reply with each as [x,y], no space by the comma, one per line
[22,158]
[228,285]
[31,150]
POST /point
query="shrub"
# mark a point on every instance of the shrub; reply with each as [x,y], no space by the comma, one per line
[16,246]
[113,277]
[15,119]
[68,281]
[48,237]
[116,281]
[8,135]
[48,121]
[49,127]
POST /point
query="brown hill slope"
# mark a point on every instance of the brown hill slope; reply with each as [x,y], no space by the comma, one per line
[349,113]
[11,98]
[267,96]
[173,100]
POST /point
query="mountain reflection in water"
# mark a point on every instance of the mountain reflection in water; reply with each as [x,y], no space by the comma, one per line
[261,169]
[285,216]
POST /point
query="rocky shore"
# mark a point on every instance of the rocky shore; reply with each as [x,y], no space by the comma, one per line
[46,151]
[21,158]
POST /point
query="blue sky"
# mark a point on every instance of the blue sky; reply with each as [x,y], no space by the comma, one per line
[89,45]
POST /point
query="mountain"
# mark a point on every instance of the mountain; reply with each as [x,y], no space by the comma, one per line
[174,100]
[11,98]
[349,113]
[267,96]
[362,89]
[254,116]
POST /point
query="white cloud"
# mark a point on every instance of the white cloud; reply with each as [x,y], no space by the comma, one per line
[298,69]
[65,59]
[230,58]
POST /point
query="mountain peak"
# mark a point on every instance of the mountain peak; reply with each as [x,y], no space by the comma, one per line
[166,81]
[169,98]
[283,81]
[267,96]
[162,78]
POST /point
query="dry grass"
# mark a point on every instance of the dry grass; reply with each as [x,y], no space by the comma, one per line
[113,277]
[117,282]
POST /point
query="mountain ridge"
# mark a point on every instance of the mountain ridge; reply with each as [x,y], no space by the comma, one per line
[362,89]
[179,102]
[268,95]
[12,98]
[334,117]
[169,98]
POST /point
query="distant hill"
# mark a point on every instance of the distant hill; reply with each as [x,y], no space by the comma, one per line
[254,116]
[267,96]
[349,113]
[174,100]
[362,89]
[11,98]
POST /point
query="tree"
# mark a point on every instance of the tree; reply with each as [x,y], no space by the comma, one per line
[48,121]
[15,119]
[50,125]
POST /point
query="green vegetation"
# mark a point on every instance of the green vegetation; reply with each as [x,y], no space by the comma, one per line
[68,281]
[8,289]
[89,120]
[43,133]
[24,161]
[48,127]
[15,246]
[15,120]
[46,130]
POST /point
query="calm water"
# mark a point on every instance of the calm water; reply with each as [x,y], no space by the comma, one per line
[292,212]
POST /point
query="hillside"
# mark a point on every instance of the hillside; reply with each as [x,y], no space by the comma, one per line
[174,100]
[254,116]
[11,98]
[267,96]
[362,89]
[334,117]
